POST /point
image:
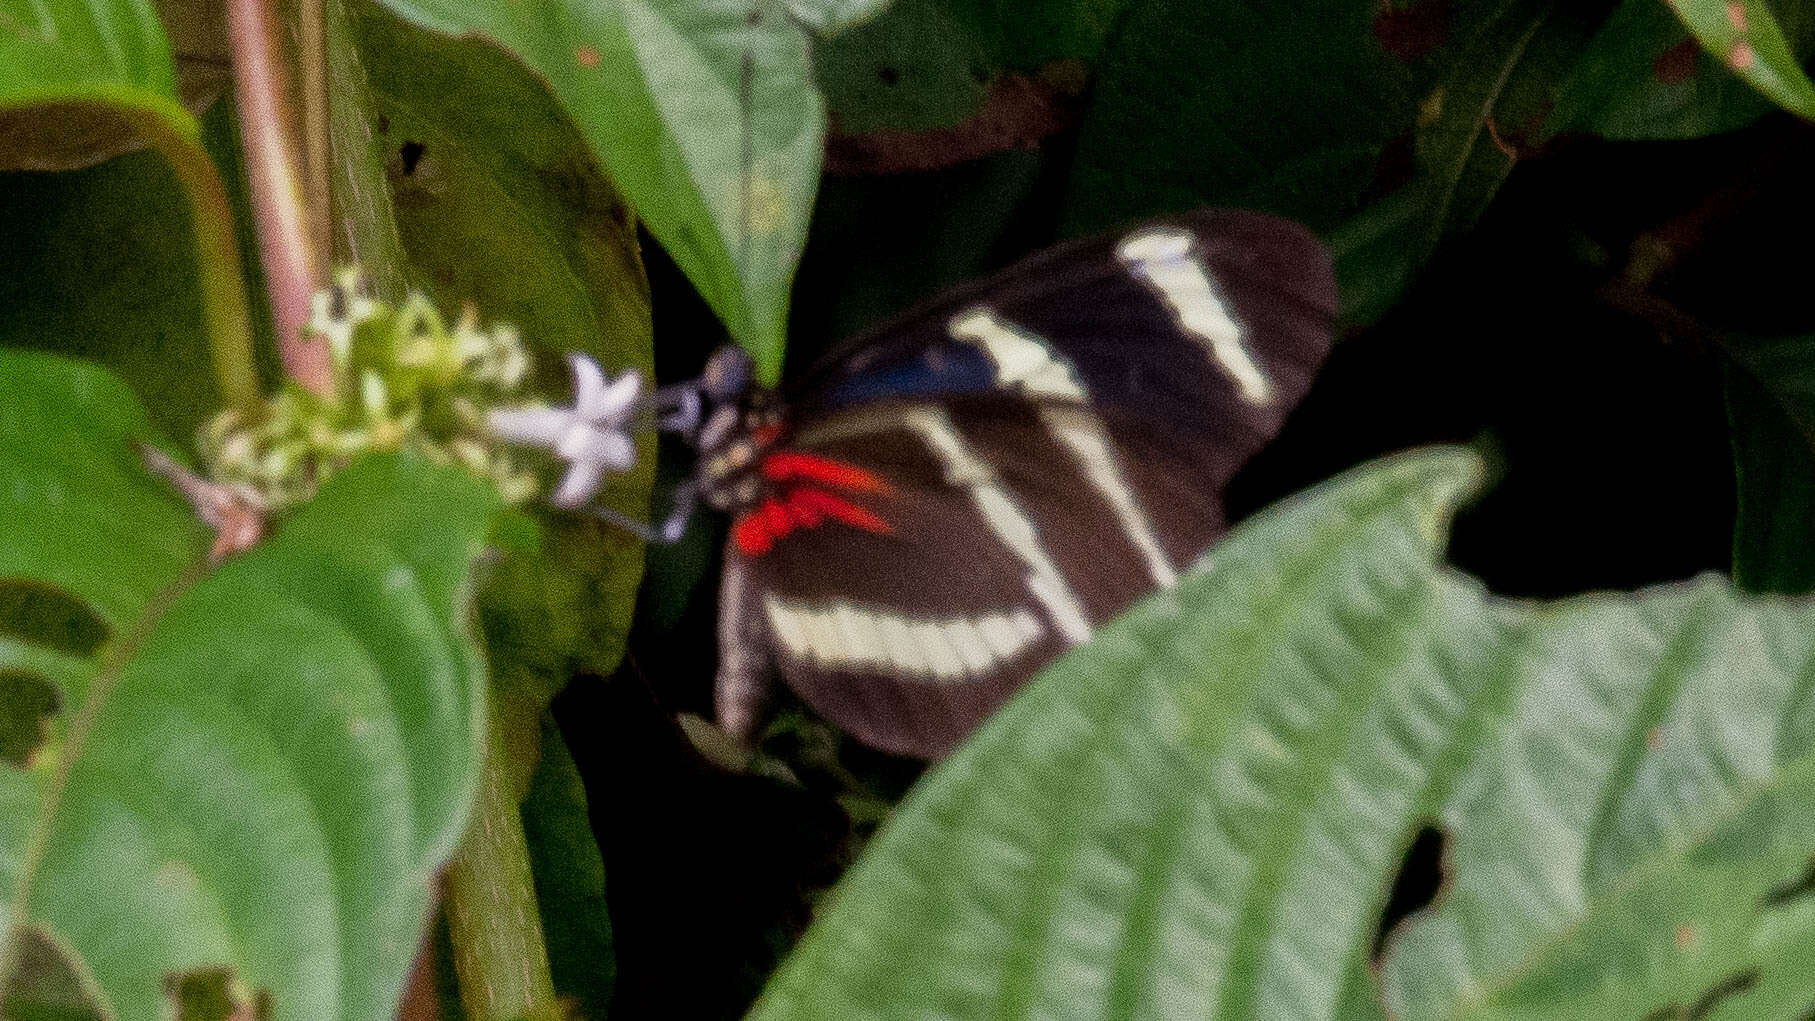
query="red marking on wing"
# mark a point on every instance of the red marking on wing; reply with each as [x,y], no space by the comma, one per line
[818,501]
[757,530]
[812,467]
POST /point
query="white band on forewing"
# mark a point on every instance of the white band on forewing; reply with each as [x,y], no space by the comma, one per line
[1026,361]
[1167,261]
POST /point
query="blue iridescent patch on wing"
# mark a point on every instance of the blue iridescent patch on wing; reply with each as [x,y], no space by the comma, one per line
[942,371]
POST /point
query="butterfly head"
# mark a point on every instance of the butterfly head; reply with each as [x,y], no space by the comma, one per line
[732,444]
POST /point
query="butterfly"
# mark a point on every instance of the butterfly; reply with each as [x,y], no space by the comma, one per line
[944,504]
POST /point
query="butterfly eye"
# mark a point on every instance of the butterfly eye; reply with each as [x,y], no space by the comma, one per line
[727,374]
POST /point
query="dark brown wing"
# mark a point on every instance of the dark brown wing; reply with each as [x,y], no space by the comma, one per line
[1271,276]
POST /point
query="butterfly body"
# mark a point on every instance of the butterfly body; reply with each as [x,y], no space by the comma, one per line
[947,503]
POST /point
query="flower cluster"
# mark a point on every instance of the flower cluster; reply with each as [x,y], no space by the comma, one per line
[403,380]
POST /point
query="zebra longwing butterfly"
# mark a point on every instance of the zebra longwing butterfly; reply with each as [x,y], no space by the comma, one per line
[946,503]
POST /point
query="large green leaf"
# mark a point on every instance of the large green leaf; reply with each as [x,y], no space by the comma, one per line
[264,764]
[1644,76]
[1026,34]
[81,80]
[703,112]
[914,68]
[1200,812]
[112,51]
[1494,83]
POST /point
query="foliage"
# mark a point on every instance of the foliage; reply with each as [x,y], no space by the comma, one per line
[322,685]
[1197,815]
[233,774]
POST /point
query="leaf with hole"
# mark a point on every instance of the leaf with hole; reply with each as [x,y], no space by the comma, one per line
[1199,813]
[261,766]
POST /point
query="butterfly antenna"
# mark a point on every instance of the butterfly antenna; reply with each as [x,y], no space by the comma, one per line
[686,498]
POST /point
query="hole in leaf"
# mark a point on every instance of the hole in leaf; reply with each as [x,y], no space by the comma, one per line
[1416,884]
[214,994]
[26,701]
[41,615]
[411,152]
[888,75]
[1792,889]
[44,984]
[384,124]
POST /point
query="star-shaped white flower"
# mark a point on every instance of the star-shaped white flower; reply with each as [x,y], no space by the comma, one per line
[593,436]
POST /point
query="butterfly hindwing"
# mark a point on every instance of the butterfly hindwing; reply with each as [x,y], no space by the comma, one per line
[909,633]
[962,495]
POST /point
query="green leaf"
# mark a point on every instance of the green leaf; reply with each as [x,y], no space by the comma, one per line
[1025,34]
[916,67]
[81,512]
[1644,77]
[928,64]
[494,166]
[1216,103]
[49,133]
[1746,36]
[1200,812]
[1771,411]
[90,269]
[272,758]
[100,65]
[1484,107]
[111,52]
[724,179]
[570,879]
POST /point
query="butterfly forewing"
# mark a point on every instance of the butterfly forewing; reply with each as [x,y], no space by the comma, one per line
[965,493]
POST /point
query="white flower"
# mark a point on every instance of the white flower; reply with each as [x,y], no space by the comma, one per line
[593,436]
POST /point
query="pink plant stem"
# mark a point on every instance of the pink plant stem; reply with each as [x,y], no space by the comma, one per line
[268,133]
